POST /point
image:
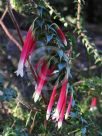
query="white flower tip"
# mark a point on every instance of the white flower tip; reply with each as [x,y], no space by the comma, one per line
[65,42]
[36,97]
[66,116]
[93,109]
[53,117]
[20,69]
[19,72]
[56,115]
[59,124]
[47,116]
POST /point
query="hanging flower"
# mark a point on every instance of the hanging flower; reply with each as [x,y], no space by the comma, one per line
[29,45]
[61,35]
[69,107]
[93,106]
[51,102]
[41,81]
[61,100]
[61,116]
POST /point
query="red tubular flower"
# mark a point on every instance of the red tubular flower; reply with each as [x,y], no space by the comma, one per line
[61,35]
[51,102]
[41,81]
[93,104]
[61,116]
[29,45]
[69,107]
[61,100]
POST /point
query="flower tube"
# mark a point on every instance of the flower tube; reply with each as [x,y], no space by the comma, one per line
[51,102]
[61,116]
[29,45]
[69,107]
[41,81]
[61,100]
[61,35]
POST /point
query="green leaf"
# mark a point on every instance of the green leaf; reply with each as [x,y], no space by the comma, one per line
[61,66]
[28,119]
[71,39]
[60,53]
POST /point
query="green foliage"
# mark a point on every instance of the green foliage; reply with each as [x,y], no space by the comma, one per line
[91,49]
[80,122]
[17,4]
[8,131]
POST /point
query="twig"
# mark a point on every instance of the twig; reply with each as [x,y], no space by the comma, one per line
[78,83]
[78,14]
[84,37]
[32,125]
[32,70]
[4,14]
[10,35]
[73,131]
[29,107]
[3,107]
[14,21]
[44,99]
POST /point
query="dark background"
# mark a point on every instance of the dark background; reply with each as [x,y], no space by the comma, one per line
[92,9]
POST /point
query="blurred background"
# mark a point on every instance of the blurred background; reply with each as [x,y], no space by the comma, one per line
[86,74]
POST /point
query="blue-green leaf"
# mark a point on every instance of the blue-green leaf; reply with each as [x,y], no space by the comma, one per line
[49,37]
[83,130]
[61,66]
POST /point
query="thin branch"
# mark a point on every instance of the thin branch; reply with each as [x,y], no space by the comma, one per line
[78,83]
[29,107]
[14,21]
[73,131]
[33,123]
[10,36]
[78,14]
[32,70]
[84,37]
[6,10]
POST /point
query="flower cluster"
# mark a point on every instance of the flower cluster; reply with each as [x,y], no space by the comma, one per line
[44,71]
[59,112]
